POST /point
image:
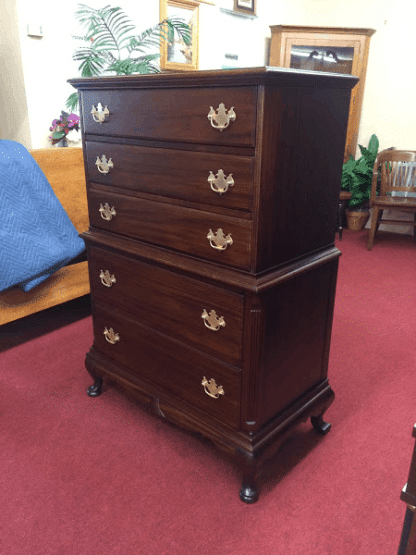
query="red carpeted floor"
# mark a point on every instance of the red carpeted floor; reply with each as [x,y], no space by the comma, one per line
[82,476]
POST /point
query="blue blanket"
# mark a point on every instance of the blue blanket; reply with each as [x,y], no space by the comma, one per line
[36,235]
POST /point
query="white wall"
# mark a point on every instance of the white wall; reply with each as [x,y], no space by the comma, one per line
[48,61]
[14,116]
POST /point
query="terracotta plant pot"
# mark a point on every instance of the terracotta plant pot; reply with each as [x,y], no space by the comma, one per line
[356,219]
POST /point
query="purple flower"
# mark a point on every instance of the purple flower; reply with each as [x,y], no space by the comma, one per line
[73,119]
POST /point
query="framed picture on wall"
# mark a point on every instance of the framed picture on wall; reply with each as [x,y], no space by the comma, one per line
[245,6]
[175,55]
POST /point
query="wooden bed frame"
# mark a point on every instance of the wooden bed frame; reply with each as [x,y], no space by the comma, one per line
[64,169]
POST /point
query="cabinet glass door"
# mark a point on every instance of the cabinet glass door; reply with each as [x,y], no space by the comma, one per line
[329,55]
[334,59]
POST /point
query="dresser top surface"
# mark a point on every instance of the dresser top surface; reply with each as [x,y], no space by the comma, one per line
[225,77]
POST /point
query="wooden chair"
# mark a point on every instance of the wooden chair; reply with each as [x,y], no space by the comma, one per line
[64,169]
[344,197]
[397,189]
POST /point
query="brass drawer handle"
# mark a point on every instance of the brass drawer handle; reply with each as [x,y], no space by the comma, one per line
[220,183]
[211,320]
[220,118]
[107,279]
[212,389]
[104,165]
[106,212]
[110,336]
[218,240]
[99,114]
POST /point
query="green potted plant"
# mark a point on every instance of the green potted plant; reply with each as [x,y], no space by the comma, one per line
[112,45]
[356,178]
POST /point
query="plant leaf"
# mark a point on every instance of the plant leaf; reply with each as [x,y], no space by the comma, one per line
[111,45]
[58,134]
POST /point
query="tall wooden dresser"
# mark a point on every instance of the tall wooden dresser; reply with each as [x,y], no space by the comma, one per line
[213,200]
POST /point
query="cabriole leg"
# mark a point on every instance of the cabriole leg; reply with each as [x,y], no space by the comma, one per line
[96,389]
[320,425]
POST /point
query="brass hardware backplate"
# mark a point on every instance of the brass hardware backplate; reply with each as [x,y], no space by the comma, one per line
[220,183]
[99,114]
[218,240]
[107,279]
[110,336]
[221,118]
[211,388]
[106,212]
[212,321]
[104,165]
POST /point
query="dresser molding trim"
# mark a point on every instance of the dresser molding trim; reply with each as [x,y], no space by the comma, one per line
[316,29]
[235,77]
[209,271]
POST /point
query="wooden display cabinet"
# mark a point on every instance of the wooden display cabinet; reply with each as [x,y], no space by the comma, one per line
[329,49]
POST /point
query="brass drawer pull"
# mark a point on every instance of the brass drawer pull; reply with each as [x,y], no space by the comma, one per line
[212,321]
[110,336]
[99,114]
[104,165]
[220,118]
[218,240]
[106,212]
[107,279]
[212,389]
[220,183]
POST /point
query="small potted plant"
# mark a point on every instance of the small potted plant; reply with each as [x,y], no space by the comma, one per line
[65,129]
[356,178]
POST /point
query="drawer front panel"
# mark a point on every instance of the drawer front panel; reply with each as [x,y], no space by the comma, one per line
[176,227]
[173,114]
[177,369]
[169,302]
[174,173]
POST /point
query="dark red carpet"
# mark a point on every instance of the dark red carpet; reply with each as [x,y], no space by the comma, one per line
[82,476]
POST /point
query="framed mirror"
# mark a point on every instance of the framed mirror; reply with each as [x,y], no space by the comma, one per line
[175,55]
[245,6]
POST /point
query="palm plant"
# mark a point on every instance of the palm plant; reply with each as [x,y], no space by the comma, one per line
[113,45]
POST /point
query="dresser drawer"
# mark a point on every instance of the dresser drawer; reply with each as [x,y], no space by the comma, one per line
[177,369]
[174,173]
[177,227]
[170,303]
[173,114]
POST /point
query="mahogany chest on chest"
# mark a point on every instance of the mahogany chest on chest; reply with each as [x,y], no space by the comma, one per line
[213,200]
